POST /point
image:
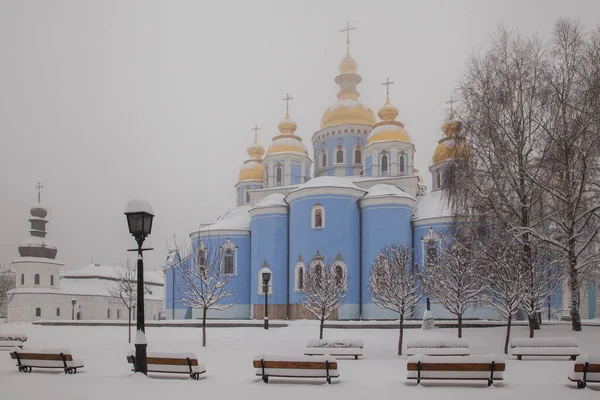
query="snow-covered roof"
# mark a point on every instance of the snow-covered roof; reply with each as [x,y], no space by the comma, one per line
[107,272]
[37,241]
[432,205]
[37,260]
[138,205]
[235,219]
[384,190]
[330,181]
[275,199]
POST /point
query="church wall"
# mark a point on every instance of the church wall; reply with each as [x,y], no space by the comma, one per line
[340,235]
[368,166]
[243,188]
[349,143]
[45,270]
[269,243]
[296,177]
[382,224]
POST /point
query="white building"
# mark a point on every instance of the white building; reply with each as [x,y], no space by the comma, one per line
[44,290]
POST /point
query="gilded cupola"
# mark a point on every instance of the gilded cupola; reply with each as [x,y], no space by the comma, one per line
[453,145]
[388,128]
[286,141]
[252,169]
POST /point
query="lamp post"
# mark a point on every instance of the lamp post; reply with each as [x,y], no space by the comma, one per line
[139,219]
[73,302]
[266,276]
[428,261]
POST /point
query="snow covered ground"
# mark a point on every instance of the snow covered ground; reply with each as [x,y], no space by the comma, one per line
[380,374]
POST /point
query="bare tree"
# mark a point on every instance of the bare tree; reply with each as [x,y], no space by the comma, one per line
[325,290]
[125,290]
[502,103]
[504,279]
[571,125]
[454,281]
[6,285]
[205,282]
[394,283]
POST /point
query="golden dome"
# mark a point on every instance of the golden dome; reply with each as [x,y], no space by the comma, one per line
[348,65]
[388,129]
[452,145]
[347,111]
[287,126]
[256,151]
[251,170]
[286,143]
[452,127]
[388,112]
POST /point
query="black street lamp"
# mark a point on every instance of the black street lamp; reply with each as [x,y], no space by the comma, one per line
[266,276]
[139,219]
[73,302]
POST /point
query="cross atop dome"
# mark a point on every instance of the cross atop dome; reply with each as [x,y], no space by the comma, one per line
[39,188]
[387,84]
[255,129]
[451,102]
[287,99]
[347,29]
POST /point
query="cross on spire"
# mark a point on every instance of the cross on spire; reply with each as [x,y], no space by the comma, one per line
[387,84]
[255,129]
[287,99]
[39,187]
[347,30]
[451,102]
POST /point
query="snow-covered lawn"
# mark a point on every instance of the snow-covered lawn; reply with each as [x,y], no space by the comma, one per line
[380,374]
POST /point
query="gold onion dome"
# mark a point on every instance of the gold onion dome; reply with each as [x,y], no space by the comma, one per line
[348,109]
[252,168]
[452,145]
[286,141]
[388,129]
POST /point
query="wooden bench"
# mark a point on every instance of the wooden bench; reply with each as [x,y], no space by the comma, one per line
[46,358]
[481,367]
[172,363]
[296,367]
[545,347]
[336,348]
[431,347]
[9,344]
[586,369]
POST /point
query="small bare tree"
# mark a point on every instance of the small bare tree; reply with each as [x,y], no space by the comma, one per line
[6,285]
[394,283]
[504,280]
[205,283]
[325,290]
[125,290]
[454,280]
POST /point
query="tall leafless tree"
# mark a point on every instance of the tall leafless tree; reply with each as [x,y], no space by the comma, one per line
[325,289]
[454,280]
[502,103]
[394,283]
[203,282]
[571,125]
[6,285]
[125,290]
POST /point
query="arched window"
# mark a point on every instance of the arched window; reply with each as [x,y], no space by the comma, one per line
[339,273]
[118,313]
[228,254]
[260,281]
[247,196]
[438,180]
[323,160]
[51,280]
[78,316]
[318,217]
[339,156]
[279,176]
[22,279]
[228,263]
[108,314]
[38,312]
[430,247]
[357,156]
[319,269]
[384,164]
[36,279]
[299,277]
[402,161]
[58,312]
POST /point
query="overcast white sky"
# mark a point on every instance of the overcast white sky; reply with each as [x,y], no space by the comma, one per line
[103,101]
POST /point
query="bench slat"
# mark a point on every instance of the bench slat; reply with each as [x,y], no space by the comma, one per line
[294,365]
[455,379]
[459,367]
[165,361]
[44,356]
[592,368]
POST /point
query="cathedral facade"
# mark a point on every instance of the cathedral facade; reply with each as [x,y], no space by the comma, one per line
[360,193]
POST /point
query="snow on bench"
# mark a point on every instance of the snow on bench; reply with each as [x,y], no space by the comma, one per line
[9,344]
[21,337]
[296,367]
[171,363]
[46,358]
[586,369]
[567,346]
[430,347]
[481,367]
[338,347]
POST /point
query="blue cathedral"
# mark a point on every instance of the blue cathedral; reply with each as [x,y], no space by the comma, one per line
[360,193]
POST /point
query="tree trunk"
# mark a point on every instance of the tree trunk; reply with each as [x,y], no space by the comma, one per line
[460,326]
[204,327]
[129,324]
[401,335]
[532,318]
[321,326]
[575,295]
[507,340]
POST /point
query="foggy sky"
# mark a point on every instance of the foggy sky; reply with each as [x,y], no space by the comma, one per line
[104,101]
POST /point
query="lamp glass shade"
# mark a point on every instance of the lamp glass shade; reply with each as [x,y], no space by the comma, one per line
[266,277]
[73,301]
[140,223]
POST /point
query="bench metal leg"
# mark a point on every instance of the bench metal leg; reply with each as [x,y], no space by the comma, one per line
[581,385]
[265,378]
[418,372]
[519,358]
[573,358]
[491,380]
[327,368]
[356,357]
